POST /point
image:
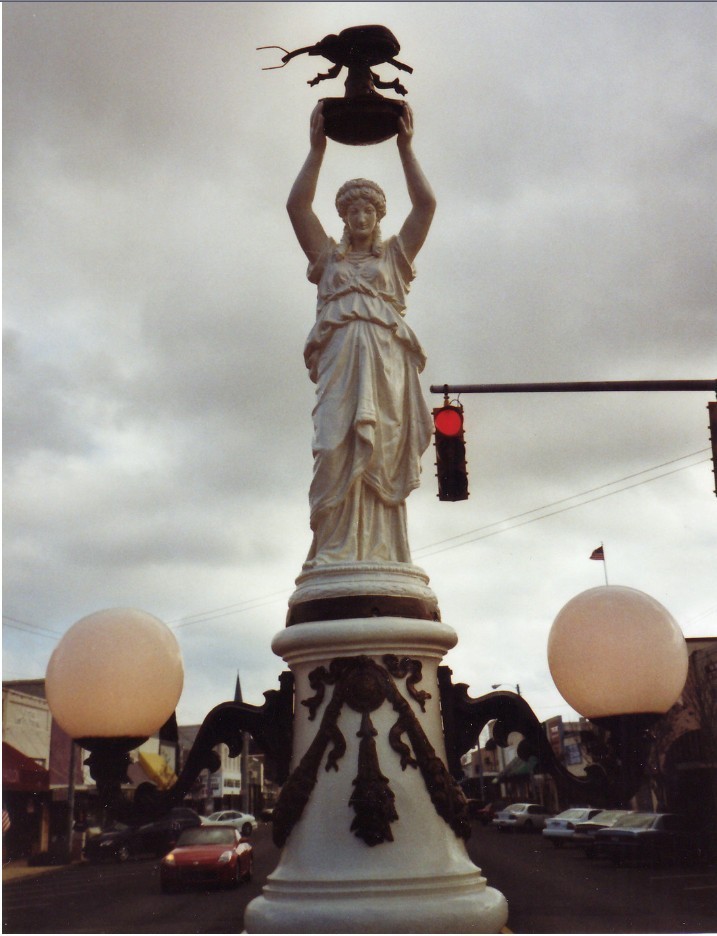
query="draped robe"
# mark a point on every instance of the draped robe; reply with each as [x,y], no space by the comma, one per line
[371,422]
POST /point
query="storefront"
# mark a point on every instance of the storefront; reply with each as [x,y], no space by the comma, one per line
[26,797]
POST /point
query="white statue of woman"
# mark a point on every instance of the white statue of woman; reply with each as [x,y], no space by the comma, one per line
[371,422]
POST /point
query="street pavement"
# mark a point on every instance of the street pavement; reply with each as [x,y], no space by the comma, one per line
[553,890]
[548,891]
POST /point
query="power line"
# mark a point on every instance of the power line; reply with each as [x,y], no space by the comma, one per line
[553,513]
[251,604]
[701,616]
[28,628]
[564,500]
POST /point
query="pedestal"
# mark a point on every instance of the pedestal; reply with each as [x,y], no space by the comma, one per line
[394,859]
[362,589]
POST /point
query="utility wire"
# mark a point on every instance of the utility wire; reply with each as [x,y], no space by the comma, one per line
[564,500]
[543,516]
[29,628]
[430,549]
[701,616]
[251,604]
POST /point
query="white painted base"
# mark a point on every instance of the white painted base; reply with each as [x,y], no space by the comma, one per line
[400,579]
[330,881]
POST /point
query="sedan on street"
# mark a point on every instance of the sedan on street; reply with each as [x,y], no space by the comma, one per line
[649,837]
[209,854]
[584,835]
[154,838]
[245,822]
[561,828]
[527,817]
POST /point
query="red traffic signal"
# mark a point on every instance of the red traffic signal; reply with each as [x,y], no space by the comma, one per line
[448,420]
[450,446]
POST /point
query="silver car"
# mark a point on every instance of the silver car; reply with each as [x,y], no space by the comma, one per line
[245,822]
[524,816]
[585,831]
[561,828]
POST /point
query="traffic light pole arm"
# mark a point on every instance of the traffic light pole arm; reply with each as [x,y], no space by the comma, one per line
[579,386]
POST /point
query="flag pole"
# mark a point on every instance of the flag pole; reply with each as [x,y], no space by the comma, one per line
[599,553]
[604,562]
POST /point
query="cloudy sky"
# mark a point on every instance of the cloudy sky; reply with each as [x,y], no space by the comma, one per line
[157,418]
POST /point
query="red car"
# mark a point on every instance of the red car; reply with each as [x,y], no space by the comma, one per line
[208,854]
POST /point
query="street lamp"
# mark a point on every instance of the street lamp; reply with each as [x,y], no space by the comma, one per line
[613,650]
[114,680]
[618,657]
[116,673]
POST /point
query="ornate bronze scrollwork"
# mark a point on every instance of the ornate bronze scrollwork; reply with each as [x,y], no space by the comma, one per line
[620,750]
[365,686]
[270,725]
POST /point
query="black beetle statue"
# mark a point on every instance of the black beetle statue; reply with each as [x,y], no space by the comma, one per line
[362,116]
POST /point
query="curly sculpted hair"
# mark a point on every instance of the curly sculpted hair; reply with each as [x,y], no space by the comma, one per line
[371,192]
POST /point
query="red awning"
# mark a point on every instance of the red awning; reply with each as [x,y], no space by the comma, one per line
[21,774]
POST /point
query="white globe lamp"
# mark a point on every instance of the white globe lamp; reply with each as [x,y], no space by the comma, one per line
[115,674]
[614,650]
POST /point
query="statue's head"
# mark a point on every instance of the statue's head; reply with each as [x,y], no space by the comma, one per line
[366,190]
[360,188]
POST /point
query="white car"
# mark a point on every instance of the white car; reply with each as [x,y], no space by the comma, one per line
[524,816]
[245,822]
[585,831]
[561,828]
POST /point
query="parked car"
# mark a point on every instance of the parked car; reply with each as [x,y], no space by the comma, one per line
[584,834]
[208,854]
[245,822]
[155,838]
[561,828]
[524,816]
[650,837]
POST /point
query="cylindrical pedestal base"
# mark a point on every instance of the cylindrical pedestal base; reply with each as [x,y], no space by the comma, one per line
[465,905]
[373,835]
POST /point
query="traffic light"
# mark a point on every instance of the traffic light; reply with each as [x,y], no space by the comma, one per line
[712,408]
[450,453]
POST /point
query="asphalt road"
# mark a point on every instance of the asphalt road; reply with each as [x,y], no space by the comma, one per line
[125,898]
[552,890]
[548,890]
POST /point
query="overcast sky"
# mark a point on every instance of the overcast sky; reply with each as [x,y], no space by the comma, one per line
[157,418]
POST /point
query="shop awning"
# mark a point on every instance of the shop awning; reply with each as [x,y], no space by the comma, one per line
[519,768]
[21,774]
[157,769]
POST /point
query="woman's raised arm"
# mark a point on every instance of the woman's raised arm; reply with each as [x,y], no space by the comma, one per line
[307,227]
[416,226]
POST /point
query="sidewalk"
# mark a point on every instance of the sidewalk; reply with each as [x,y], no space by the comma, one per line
[13,870]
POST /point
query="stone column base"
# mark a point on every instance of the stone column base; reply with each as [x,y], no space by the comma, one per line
[424,905]
[372,721]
